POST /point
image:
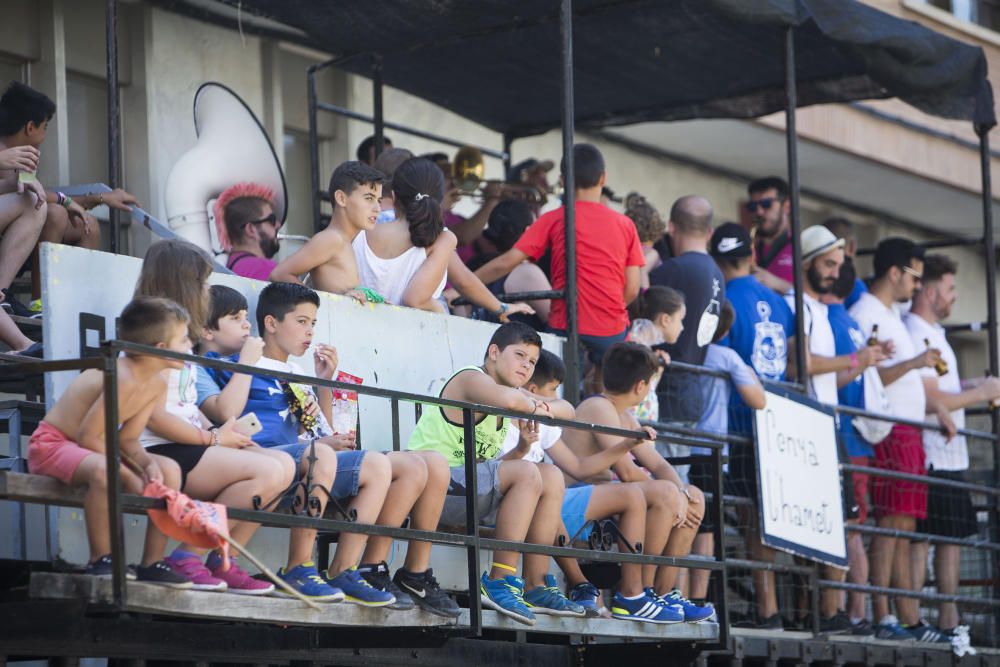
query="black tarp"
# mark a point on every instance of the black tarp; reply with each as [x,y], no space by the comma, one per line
[497,62]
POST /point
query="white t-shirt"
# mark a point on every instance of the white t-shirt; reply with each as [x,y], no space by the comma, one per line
[182,401]
[822,387]
[942,454]
[906,395]
[390,277]
[547,436]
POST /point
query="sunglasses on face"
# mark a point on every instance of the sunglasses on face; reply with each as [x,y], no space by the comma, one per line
[917,276]
[273,219]
[763,204]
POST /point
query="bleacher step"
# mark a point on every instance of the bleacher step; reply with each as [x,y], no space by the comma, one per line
[152,599]
[600,627]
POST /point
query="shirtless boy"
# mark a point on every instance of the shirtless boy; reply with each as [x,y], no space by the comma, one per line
[356,192]
[69,443]
[674,509]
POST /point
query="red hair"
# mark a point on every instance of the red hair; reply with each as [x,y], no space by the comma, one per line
[231,194]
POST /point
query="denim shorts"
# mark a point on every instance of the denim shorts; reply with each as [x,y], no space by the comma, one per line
[348,478]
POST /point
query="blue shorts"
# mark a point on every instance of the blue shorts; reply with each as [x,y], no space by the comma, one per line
[574,510]
[595,346]
[348,478]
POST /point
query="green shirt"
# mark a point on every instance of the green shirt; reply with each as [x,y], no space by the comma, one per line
[437,433]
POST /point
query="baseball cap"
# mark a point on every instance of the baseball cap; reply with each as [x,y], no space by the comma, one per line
[519,171]
[818,240]
[730,240]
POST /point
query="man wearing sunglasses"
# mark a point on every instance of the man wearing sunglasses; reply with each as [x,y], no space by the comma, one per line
[769,209]
[248,229]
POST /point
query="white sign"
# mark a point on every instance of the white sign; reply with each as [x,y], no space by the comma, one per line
[801,505]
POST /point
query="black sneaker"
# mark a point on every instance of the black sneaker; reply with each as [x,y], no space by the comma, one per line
[161,574]
[837,624]
[377,576]
[13,306]
[424,590]
[862,628]
[102,569]
[774,622]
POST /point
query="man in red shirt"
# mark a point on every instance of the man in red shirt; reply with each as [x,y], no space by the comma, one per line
[770,207]
[608,255]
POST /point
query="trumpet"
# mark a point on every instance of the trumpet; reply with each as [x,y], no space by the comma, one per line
[468,169]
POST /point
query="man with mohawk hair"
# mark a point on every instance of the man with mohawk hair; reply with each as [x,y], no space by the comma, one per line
[248,229]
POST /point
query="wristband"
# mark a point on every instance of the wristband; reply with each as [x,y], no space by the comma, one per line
[502,310]
[215,437]
[854,360]
[60,198]
[67,200]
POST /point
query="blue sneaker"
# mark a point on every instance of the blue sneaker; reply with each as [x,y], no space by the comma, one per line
[692,613]
[507,597]
[927,633]
[587,596]
[306,580]
[891,629]
[548,599]
[358,591]
[645,608]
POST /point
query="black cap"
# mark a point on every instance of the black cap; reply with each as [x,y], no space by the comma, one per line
[519,172]
[730,240]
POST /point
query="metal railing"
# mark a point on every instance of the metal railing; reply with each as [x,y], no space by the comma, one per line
[120,502]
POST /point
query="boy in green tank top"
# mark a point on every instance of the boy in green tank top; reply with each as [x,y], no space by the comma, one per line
[525,501]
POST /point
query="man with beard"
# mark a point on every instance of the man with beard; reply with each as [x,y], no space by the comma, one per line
[248,229]
[822,259]
[898,503]
[770,209]
[949,510]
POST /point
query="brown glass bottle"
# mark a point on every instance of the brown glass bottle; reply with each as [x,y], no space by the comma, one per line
[873,339]
[940,366]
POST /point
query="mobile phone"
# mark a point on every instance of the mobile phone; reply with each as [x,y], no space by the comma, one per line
[248,424]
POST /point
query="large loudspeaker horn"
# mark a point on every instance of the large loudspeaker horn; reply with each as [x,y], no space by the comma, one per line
[232,147]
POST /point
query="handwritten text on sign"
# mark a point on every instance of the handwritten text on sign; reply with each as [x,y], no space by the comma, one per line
[800,497]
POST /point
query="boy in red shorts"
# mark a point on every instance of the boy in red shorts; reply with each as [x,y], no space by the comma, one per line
[69,444]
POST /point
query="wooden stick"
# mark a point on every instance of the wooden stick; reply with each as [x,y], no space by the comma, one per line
[281,583]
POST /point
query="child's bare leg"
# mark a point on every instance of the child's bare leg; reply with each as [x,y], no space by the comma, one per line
[20,225]
[426,511]
[11,335]
[521,487]
[156,542]
[93,474]
[302,540]
[232,478]
[569,566]
[662,498]
[409,477]
[679,544]
[544,524]
[629,503]
[376,474]
[704,545]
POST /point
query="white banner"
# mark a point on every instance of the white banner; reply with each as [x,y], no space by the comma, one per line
[801,505]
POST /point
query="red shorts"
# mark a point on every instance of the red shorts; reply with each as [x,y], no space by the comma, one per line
[902,451]
[52,453]
[860,482]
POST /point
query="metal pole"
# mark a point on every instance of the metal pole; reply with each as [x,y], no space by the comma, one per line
[507,141]
[991,329]
[377,104]
[791,144]
[472,523]
[111,444]
[314,150]
[572,384]
[114,116]
[719,579]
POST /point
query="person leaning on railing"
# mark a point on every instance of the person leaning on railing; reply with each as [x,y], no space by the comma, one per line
[949,510]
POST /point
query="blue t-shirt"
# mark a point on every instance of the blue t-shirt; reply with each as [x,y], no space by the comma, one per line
[848,338]
[266,400]
[719,390]
[759,335]
[859,289]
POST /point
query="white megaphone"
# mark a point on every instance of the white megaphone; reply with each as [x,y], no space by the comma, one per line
[232,147]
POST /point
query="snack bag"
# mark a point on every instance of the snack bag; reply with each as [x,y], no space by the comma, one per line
[345,405]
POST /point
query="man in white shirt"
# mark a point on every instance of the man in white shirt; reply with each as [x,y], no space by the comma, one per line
[949,510]
[822,257]
[898,504]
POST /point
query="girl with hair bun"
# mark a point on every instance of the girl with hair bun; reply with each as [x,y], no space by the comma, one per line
[409,260]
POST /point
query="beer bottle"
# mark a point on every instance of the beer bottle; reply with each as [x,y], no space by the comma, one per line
[873,339]
[940,366]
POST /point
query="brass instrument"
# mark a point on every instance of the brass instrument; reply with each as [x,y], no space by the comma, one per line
[468,170]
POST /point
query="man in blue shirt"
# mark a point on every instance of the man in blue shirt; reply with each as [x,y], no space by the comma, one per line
[759,334]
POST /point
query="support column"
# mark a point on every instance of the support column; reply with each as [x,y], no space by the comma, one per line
[573,370]
[49,75]
[791,144]
[377,105]
[114,117]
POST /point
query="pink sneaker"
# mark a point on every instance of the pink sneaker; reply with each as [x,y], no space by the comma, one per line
[239,580]
[192,569]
